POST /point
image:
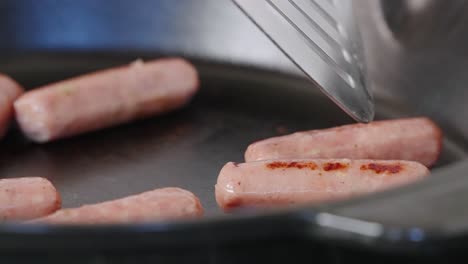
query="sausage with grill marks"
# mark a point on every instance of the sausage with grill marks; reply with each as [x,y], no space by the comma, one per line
[302,181]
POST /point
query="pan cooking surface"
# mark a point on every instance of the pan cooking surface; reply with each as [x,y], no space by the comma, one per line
[187,148]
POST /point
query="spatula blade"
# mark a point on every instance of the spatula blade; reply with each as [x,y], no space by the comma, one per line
[322,39]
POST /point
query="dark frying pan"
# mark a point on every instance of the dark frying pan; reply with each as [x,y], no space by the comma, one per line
[238,104]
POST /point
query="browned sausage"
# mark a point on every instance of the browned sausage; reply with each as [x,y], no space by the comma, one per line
[284,182]
[27,198]
[159,204]
[415,139]
[106,98]
[9,91]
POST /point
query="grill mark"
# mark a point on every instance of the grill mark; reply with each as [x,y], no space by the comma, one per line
[331,166]
[383,168]
[286,165]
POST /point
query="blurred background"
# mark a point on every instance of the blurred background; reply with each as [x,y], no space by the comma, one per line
[214,29]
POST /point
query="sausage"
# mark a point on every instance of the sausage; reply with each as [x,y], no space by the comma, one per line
[304,181]
[106,98]
[415,139]
[155,205]
[9,91]
[27,198]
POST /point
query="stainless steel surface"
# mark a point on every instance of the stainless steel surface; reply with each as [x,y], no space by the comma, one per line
[423,23]
[322,39]
[428,78]
[424,69]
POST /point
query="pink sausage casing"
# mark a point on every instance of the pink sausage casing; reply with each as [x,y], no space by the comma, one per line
[302,181]
[27,198]
[106,98]
[9,91]
[159,204]
[416,139]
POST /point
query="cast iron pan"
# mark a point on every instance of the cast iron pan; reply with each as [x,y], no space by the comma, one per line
[236,106]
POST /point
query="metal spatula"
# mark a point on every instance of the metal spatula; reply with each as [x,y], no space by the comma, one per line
[322,39]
